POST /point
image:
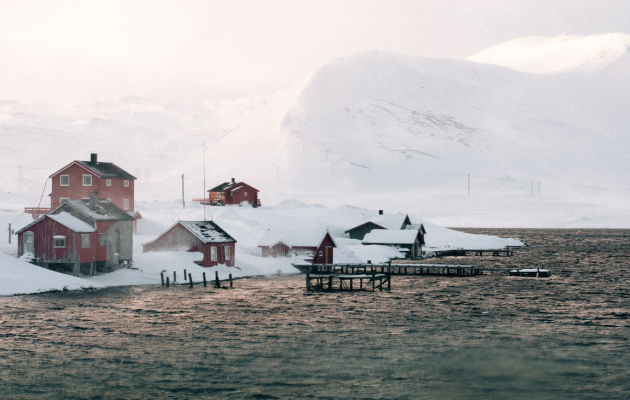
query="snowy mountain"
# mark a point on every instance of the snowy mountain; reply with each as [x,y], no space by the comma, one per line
[379,130]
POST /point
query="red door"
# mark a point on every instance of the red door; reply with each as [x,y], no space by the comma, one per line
[328,255]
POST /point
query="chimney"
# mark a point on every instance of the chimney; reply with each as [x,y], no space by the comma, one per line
[380,212]
[232,180]
[94,197]
[94,158]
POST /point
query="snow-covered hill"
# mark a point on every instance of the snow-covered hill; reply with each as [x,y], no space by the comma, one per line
[461,142]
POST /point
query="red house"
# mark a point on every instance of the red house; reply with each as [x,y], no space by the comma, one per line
[206,237]
[80,236]
[233,193]
[76,180]
[318,244]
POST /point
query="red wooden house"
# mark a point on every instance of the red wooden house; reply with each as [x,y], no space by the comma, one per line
[318,244]
[80,236]
[380,221]
[206,237]
[232,193]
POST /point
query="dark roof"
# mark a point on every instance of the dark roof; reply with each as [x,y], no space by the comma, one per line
[107,170]
[207,231]
[221,187]
[103,211]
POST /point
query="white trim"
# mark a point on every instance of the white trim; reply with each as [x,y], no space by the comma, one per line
[108,182]
[59,237]
[213,253]
[70,165]
[61,180]
[125,204]
[226,253]
[126,183]
[63,198]
[84,235]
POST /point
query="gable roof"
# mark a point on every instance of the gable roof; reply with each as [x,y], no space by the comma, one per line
[295,237]
[100,169]
[65,219]
[387,236]
[395,221]
[103,211]
[228,185]
[206,231]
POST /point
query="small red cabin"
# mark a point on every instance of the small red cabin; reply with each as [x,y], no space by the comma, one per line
[318,244]
[233,193]
[206,237]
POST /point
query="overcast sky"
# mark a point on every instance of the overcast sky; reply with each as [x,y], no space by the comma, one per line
[73,51]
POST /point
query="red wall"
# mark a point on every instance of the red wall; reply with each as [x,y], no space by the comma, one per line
[76,191]
[220,254]
[46,229]
[175,239]
[327,242]
[238,196]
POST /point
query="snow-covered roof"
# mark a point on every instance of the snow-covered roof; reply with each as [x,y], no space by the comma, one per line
[207,231]
[392,221]
[101,211]
[386,236]
[294,237]
[101,169]
[66,219]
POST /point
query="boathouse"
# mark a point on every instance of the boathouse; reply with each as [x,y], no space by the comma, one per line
[80,236]
[380,221]
[409,241]
[317,244]
[206,237]
[232,193]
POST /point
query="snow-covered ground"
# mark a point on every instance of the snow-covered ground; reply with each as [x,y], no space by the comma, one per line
[245,224]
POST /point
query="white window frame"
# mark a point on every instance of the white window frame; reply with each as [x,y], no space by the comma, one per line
[213,253]
[226,251]
[108,182]
[126,183]
[102,239]
[61,180]
[61,199]
[88,175]
[125,204]
[109,199]
[245,194]
[59,246]
[85,236]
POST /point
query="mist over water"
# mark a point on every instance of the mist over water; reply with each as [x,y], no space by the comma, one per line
[491,336]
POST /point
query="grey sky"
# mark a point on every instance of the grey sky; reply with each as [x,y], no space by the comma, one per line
[69,51]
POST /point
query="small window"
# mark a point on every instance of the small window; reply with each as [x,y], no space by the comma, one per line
[63,198]
[126,183]
[321,254]
[219,195]
[59,241]
[245,194]
[108,182]
[102,239]
[64,180]
[213,253]
[227,253]
[85,240]
[87,180]
[126,204]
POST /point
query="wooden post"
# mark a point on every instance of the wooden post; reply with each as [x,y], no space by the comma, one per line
[162,276]
[190,280]
[183,199]
[174,277]
[184,274]
[217,283]
[308,280]
[389,275]
[230,280]
[167,281]
[373,278]
[204,280]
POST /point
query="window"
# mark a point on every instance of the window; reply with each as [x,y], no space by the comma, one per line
[126,183]
[109,199]
[64,180]
[102,239]
[213,253]
[227,253]
[108,182]
[87,180]
[85,240]
[219,195]
[59,241]
[125,204]
[63,198]
[245,194]
[321,254]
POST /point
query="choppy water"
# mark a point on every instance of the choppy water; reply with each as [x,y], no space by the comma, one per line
[491,336]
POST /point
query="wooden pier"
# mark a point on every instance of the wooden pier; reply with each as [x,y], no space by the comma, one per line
[347,282]
[507,252]
[531,272]
[392,269]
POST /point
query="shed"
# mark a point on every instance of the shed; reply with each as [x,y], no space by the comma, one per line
[409,240]
[317,243]
[206,237]
[380,221]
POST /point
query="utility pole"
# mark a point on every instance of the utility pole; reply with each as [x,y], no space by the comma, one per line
[532,187]
[183,199]
[468,183]
[9,233]
[203,144]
